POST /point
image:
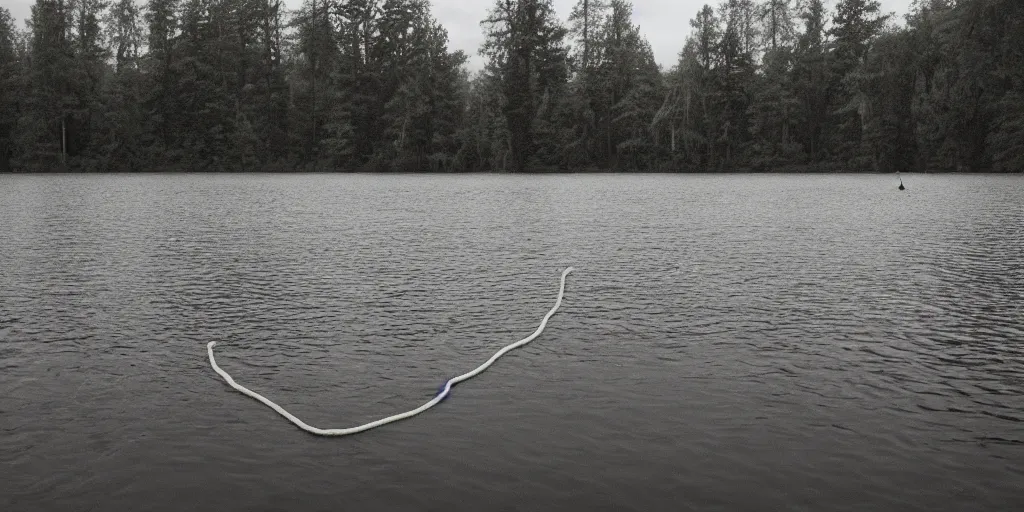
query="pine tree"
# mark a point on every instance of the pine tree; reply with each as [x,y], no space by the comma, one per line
[855,25]
[10,88]
[87,75]
[160,103]
[266,91]
[525,49]
[1005,140]
[777,22]
[810,78]
[627,91]
[886,85]
[43,125]
[420,88]
[735,73]
[120,141]
[774,108]
[699,82]
[318,119]
[579,138]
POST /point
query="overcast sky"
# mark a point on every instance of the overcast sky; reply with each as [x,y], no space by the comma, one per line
[664,22]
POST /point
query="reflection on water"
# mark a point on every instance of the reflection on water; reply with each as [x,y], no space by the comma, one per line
[726,343]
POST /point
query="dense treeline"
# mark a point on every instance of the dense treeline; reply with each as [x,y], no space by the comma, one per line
[97,85]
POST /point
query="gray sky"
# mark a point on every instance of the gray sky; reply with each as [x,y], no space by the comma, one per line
[665,22]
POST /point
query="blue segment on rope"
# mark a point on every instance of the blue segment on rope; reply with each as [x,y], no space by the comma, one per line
[441,389]
[441,394]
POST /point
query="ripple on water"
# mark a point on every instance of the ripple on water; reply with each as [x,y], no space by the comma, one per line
[727,342]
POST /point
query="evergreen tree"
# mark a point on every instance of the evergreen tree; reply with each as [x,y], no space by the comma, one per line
[777,22]
[774,109]
[525,49]
[10,88]
[265,93]
[886,85]
[628,91]
[735,73]
[319,124]
[854,26]
[810,77]
[121,140]
[50,98]
[698,80]
[420,93]
[87,75]
[579,139]
[160,103]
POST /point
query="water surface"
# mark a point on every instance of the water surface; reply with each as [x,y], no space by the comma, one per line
[727,342]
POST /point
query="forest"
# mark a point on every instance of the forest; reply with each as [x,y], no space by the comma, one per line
[372,86]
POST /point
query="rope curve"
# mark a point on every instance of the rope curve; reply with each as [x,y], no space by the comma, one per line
[441,395]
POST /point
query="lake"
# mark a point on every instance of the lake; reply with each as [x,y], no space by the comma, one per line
[734,342]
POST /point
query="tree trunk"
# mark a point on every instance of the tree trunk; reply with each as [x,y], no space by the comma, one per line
[63,142]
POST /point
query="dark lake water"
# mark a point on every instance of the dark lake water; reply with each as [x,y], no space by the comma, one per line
[756,343]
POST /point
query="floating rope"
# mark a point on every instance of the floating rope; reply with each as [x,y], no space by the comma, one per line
[441,395]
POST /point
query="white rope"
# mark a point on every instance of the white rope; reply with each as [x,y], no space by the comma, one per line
[408,414]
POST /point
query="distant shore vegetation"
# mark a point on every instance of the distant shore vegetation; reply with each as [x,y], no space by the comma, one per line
[372,85]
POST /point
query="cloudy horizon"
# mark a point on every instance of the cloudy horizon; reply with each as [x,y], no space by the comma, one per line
[665,23]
